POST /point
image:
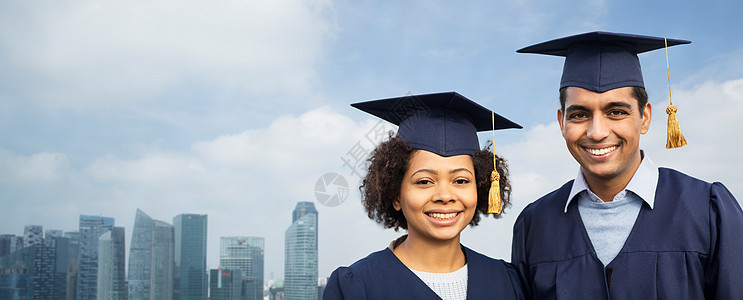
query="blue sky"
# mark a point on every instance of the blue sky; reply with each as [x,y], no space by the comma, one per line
[236,108]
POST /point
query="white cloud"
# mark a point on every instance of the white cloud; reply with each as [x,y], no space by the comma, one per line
[290,143]
[87,53]
[152,169]
[40,167]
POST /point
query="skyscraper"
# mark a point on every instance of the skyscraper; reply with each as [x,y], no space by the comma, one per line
[300,255]
[32,235]
[151,259]
[244,253]
[225,284]
[50,262]
[69,264]
[66,253]
[19,273]
[190,275]
[16,243]
[53,233]
[91,229]
[5,240]
[46,262]
[111,276]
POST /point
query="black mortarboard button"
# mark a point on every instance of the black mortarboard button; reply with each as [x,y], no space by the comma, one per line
[601,61]
[442,123]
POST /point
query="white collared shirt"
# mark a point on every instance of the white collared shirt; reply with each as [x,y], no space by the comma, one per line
[609,224]
[643,183]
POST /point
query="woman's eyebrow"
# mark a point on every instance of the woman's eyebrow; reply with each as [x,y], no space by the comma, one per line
[460,170]
[424,171]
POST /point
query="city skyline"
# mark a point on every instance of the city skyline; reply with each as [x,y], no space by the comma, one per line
[153,242]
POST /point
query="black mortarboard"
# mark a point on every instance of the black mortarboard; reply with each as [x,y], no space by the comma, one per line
[442,123]
[601,61]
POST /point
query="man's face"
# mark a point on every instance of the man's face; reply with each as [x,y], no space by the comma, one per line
[602,132]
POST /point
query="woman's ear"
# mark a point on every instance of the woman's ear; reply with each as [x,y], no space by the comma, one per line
[396,203]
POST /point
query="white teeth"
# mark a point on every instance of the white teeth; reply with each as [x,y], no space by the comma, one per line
[441,216]
[601,151]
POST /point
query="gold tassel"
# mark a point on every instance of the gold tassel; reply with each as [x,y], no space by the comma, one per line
[495,205]
[674,137]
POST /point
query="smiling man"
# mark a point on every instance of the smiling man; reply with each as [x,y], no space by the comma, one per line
[624,228]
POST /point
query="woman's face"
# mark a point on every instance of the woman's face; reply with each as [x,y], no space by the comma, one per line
[438,195]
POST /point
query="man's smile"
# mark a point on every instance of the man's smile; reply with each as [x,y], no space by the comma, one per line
[600,151]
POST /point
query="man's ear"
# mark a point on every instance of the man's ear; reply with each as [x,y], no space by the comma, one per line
[647,116]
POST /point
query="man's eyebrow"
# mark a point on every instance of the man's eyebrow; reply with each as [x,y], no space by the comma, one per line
[575,107]
[605,107]
[617,104]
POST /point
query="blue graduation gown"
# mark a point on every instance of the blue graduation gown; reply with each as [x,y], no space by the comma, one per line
[381,275]
[687,247]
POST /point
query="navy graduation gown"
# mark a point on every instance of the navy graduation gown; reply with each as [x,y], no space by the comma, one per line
[381,275]
[687,247]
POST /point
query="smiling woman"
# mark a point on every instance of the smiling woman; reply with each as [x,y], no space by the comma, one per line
[432,180]
[438,198]
[392,159]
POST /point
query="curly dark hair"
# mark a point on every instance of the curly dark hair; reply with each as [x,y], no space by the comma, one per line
[387,166]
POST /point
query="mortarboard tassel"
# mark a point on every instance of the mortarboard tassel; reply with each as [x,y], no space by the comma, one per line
[675,138]
[495,206]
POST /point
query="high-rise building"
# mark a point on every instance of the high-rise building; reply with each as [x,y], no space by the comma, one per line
[300,254]
[65,253]
[111,275]
[18,273]
[53,233]
[276,290]
[190,276]
[71,280]
[32,235]
[46,262]
[225,284]
[244,253]
[55,259]
[5,241]
[69,264]
[34,272]
[91,229]
[16,243]
[151,259]
[72,235]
